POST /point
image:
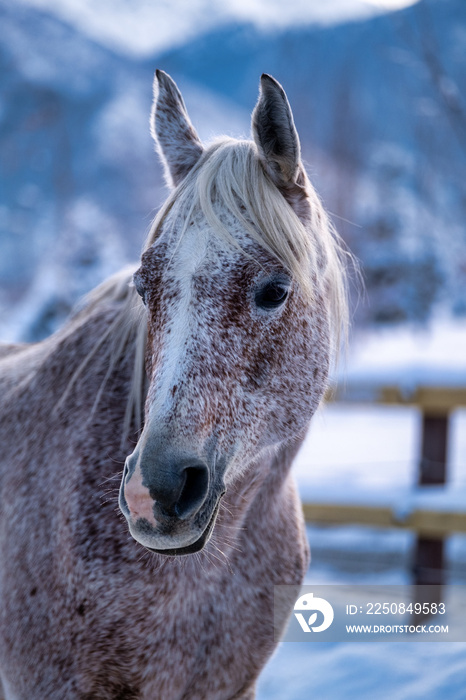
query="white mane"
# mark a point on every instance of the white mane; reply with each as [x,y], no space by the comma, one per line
[230,176]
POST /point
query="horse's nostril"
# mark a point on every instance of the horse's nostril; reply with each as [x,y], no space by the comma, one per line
[193,492]
[177,483]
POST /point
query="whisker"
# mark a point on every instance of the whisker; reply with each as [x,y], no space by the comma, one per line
[109,500]
[118,475]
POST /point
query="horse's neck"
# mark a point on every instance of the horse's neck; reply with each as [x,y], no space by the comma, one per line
[61,377]
[97,381]
[19,363]
[49,432]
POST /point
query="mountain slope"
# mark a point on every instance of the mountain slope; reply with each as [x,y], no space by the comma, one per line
[378,105]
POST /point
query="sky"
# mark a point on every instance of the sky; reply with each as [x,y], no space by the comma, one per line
[144,27]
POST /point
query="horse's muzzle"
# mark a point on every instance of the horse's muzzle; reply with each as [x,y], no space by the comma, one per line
[170,504]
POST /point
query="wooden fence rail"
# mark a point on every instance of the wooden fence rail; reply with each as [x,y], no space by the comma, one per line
[426,523]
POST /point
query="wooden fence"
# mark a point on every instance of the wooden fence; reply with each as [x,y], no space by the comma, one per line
[432,523]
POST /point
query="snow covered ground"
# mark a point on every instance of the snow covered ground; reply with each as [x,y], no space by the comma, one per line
[364,671]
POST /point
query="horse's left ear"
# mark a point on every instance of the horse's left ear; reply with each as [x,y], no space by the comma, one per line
[175,138]
[275,134]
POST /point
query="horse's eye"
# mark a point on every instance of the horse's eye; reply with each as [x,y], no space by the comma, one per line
[140,289]
[271,296]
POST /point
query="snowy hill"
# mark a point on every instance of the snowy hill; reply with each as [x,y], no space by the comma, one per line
[79,180]
[379,109]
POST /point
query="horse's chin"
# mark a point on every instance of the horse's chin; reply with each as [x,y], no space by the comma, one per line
[190,548]
[196,546]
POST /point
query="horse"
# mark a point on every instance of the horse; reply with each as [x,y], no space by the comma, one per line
[147,507]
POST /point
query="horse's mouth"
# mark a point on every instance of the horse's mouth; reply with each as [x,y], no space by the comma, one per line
[195,546]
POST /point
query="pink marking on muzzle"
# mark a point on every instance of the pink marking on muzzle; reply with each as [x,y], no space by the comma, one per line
[138,499]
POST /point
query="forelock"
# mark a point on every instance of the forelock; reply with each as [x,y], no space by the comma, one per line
[229,176]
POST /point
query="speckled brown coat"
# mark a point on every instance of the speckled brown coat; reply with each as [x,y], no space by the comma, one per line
[86,612]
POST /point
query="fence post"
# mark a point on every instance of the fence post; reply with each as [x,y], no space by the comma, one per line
[428,565]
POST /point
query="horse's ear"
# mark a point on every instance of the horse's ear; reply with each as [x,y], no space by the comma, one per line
[175,138]
[275,134]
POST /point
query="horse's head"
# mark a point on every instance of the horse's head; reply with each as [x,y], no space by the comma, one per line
[243,289]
